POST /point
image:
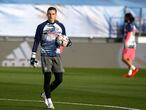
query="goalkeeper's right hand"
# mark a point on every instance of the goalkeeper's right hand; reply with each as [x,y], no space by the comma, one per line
[33,60]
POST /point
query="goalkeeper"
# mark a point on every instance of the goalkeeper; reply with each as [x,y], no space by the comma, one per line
[47,34]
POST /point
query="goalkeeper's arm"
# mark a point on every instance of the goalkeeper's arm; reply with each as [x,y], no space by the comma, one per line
[33,60]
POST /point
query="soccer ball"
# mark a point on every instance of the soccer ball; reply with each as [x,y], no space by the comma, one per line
[63,40]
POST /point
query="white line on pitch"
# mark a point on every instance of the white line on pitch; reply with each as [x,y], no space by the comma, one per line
[72,103]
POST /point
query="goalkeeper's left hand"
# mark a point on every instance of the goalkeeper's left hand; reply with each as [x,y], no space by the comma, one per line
[58,42]
[69,43]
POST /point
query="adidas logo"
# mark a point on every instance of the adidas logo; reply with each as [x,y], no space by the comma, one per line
[19,57]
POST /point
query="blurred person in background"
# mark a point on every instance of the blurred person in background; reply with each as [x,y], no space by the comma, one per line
[48,35]
[128,54]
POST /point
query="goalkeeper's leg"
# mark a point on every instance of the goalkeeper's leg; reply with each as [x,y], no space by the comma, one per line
[47,95]
[57,81]
[47,79]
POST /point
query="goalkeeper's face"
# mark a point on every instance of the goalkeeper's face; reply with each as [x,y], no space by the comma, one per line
[51,15]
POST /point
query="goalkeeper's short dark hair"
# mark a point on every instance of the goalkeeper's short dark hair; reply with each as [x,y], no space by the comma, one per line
[52,8]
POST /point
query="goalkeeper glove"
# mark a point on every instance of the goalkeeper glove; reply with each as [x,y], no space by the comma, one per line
[69,43]
[58,42]
[33,60]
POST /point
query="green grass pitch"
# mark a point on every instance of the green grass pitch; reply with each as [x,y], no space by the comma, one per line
[82,89]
